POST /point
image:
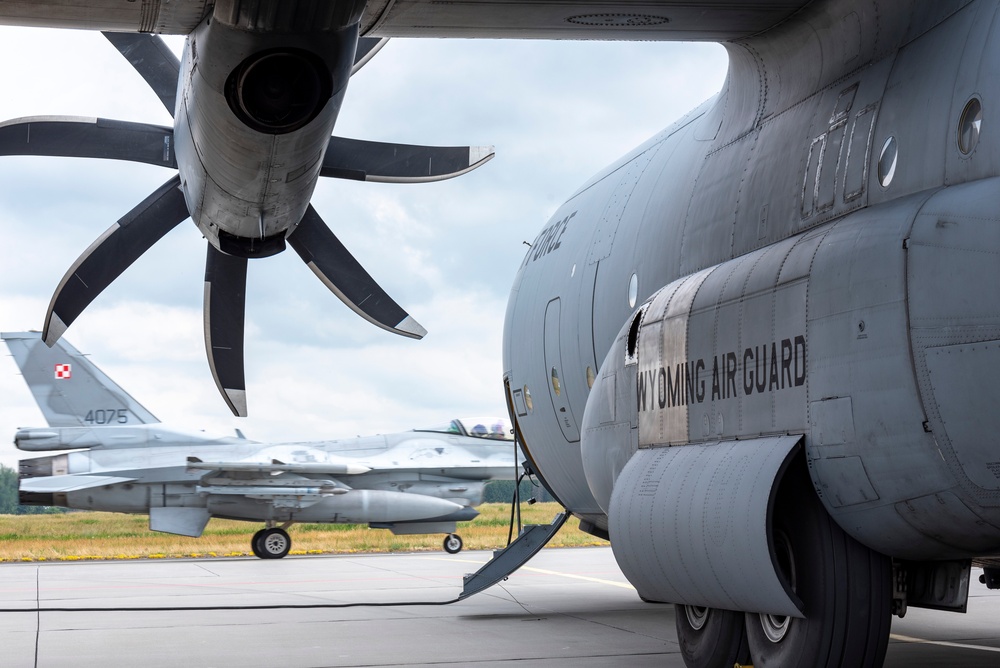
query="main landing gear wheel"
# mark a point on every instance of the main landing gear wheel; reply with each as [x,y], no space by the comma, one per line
[711,638]
[844,586]
[453,543]
[271,543]
[253,545]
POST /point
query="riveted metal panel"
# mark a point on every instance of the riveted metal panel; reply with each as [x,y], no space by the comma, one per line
[945,518]
[604,235]
[971,419]
[831,422]
[689,523]
[952,268]
[609,431]
[916,122]
[844,481]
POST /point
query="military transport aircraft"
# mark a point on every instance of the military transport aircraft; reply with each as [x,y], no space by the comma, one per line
[758,352]
[117,457]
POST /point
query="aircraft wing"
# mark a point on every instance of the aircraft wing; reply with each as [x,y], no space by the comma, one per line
[705,20]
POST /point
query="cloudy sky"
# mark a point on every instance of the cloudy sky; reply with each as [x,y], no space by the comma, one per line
[557,112]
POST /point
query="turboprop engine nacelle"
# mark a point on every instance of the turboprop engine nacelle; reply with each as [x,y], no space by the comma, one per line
[247,94]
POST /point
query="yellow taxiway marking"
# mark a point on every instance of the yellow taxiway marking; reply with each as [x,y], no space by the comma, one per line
[587,578]
[942,643]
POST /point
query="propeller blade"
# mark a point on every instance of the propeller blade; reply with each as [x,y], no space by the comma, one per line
[367,48]
[111,254]
[225,308]
[64,137]
[320,248]
[153,60]
[360,160]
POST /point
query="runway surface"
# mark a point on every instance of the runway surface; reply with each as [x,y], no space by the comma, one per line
[567,607]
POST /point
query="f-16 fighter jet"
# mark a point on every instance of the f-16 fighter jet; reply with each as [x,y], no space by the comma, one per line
[118,457]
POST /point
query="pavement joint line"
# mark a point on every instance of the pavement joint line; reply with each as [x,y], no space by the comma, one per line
[942,643]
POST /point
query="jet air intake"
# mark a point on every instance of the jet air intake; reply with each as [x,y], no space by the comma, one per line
[279,91]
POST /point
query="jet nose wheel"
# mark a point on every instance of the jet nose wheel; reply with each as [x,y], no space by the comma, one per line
[271,543]
[453,543]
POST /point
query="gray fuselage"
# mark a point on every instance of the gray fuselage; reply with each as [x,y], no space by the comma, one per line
[792,276]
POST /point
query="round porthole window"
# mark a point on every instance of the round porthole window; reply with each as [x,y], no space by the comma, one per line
[633,290]
[590,377]
[556,387]
[527,399]
[887,162]
[969,126]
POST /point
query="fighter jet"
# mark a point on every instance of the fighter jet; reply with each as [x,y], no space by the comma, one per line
[117,457]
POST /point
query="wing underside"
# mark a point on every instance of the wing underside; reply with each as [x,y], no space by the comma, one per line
[704,20]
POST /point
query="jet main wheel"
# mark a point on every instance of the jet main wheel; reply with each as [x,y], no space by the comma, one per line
[272,543]
[453,543]
[254,545]
[711,638]
[844,586]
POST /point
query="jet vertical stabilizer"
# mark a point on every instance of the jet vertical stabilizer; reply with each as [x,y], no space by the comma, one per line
[68,388]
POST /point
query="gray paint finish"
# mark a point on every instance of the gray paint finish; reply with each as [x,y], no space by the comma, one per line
[690,523]
[769,246]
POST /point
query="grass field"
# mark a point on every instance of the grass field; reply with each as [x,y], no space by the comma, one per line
[94,536]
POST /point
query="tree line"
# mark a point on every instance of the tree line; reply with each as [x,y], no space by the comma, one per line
[502,491]
[8,496]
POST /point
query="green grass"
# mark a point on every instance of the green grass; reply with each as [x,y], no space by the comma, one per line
[85,536]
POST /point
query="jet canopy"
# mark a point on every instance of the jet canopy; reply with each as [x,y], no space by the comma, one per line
[496,428]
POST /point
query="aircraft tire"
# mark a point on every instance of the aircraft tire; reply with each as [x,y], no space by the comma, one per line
[845,588]
[453,543]
[273,543]
[254,546]
[711,638]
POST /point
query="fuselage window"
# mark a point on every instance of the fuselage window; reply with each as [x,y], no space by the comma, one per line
[633,290]
[887,162]
[969,126]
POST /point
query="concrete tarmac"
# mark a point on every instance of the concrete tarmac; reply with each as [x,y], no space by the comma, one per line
[567,607]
